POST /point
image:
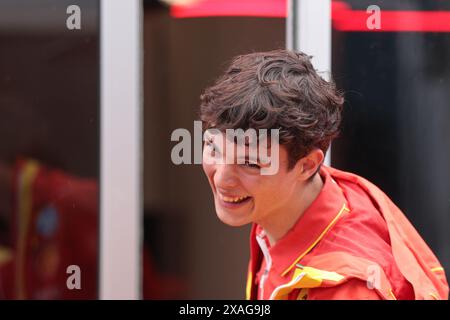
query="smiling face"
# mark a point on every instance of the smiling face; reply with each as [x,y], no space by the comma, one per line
[276,90]
[242,194]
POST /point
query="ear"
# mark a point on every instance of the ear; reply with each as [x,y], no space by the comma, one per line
[309,164]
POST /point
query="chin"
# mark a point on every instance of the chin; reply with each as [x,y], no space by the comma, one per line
[231,219]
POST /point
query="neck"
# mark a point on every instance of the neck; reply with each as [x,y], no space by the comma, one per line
[279,223]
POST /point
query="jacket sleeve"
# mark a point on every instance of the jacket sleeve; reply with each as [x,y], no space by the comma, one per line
[353,289]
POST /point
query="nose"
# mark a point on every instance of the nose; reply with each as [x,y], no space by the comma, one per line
[225,176]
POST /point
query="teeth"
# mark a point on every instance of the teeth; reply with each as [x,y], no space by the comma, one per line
[230,199]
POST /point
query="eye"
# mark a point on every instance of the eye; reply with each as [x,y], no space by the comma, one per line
[251,165]
[209,145]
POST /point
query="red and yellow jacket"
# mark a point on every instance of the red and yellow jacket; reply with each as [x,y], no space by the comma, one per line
[351,243]
[54,225]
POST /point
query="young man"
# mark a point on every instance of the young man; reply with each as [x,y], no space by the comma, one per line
[318,233]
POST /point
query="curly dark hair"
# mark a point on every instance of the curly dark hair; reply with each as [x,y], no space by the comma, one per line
[278,89]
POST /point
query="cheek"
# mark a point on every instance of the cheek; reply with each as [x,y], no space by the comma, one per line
[208,163]
[208,169]
[270,191]
[258,188]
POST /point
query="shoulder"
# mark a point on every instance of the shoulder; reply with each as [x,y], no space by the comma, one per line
[361,232]
[358,246]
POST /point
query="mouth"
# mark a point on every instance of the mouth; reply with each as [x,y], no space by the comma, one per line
[233,201]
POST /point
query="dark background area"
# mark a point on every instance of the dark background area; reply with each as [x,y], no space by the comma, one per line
[181,58]
[49,85]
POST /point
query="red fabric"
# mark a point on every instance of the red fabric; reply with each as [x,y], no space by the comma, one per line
[414,258]
[353,289]
[359,238]
[62,231]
